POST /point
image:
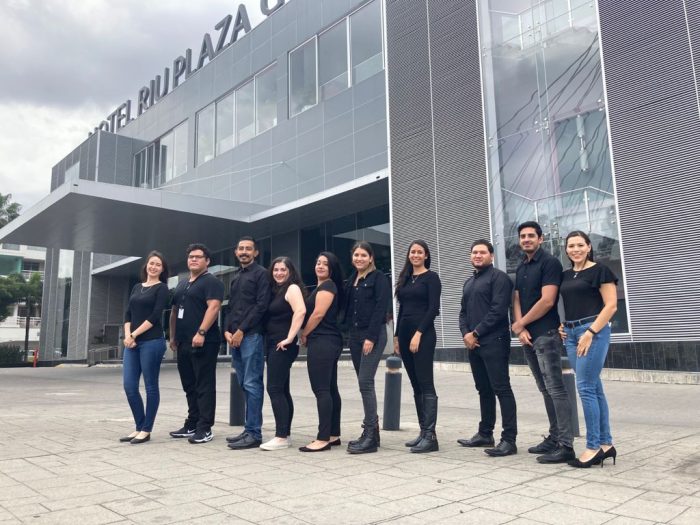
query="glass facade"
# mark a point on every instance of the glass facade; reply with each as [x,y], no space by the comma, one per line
[245,112]
[546,127]
[366,42]
[266,100]
[333,60]
[224,124]
[163,160]
[65,280]
[302,78]
[205,134]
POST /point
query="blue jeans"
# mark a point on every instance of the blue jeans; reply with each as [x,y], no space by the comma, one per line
[249,361]
[589,385]
[144,359]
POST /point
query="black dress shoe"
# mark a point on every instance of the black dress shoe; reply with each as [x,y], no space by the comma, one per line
[246,441]
[335,442]
[233,439]
[547,445]
[598,458]
[502,449]
[327,446]
[561,454]
[477,440]
[126,439]
[136,441]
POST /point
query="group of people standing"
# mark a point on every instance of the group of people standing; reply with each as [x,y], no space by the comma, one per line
[270,313]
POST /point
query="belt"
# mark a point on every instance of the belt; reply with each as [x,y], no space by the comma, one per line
[580,322]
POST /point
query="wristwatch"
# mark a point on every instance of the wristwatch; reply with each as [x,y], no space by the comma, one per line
[202,332]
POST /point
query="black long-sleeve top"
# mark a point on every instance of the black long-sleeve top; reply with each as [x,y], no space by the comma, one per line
[146,303]
[248,300]
[366,304]
[419,300]
[486,299]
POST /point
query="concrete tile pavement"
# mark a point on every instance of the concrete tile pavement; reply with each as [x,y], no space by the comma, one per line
[60,461]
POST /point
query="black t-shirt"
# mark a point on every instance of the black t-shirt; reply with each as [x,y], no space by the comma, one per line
[530,276]
[580,291]
[193,297]
[419,300]
[146,303]
[279,318]
[329,323]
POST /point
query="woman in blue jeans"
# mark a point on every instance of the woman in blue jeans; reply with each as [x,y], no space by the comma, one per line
[144,344]
[589,293]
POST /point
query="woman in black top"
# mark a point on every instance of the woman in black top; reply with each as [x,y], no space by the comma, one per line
[367,294]
[589,293]
[144,344]
[324,343]
[285,315]
[418,293]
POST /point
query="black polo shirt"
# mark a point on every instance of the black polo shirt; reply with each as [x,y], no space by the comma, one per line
[248,300]
[542,270]
[485,302]
[193,297]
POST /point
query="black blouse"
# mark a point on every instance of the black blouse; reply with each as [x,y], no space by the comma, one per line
[419,300]
[329,323]
[146,303]
[580,291]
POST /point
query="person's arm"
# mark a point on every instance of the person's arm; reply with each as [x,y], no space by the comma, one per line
[522,333]
[324,300]
[210,316]
[173,320]
[228,317]
[608,291]
[463,327]
[501,288]
[296,300]
[156,314]
[434,286]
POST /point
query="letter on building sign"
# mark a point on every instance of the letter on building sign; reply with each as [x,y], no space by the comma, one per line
[122,115]
[222,26]
[242,23]
[267,10]
[206,52]
[159,93]
[144,95]
[179,66]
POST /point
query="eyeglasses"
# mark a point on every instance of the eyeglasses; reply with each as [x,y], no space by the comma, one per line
[195,257]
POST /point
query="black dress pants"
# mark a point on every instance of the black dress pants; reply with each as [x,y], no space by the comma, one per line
[322,365]
[279,364]
[489,364]
[197,368]
[419,366]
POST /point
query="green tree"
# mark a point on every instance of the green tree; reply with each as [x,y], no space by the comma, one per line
[8,210]
[12,289]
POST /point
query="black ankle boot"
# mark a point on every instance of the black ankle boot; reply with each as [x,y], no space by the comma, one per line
[419,411]
[354,442]
[429,442]
[368,443]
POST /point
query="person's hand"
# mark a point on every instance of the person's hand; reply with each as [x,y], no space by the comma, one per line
[470,341]
[282,345]
[173,345]
[517,327]
[228,336]
[397,351]
[415,342]
[197,341]
[562,332]
[524,337]
[236,339]
[584,343]
[367,347]
[304,338]
[129,341]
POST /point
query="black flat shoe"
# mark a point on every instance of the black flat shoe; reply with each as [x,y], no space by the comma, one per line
[477,440]
[327,446]
[335,442]
[126,439]
[598,458]
[136,441]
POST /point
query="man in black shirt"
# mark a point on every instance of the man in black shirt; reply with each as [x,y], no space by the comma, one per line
[195,336]
[247,304]
[483,321]
[537,281]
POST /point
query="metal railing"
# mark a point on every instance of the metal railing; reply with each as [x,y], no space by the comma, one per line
[16,321]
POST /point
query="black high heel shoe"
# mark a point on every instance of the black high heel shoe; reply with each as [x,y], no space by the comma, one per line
[598,458]
[610,453]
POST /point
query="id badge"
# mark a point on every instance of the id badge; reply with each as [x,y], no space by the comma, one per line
[181,313]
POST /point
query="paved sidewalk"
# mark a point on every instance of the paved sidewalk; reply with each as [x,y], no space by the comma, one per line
[60,461]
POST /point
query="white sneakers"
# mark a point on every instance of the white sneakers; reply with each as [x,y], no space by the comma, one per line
[276,444]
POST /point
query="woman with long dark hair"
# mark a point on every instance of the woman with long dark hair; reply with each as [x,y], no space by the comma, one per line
[589,293]
[285,315]
[324,343]
[367,294]
[418,292]
[144,344]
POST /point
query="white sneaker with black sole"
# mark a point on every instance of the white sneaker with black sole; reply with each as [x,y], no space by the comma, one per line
[184,432]
[201,437]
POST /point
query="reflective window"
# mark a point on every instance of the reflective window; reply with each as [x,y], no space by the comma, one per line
[63,292]
[205,134]
[366,39]
[546,125]
[144,167]
[73,172]
[180,155]
[333,60]
[224,124]
[245,112]
[266,99]
[302,78]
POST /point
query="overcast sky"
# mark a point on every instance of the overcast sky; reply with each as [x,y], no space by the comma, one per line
[67,64]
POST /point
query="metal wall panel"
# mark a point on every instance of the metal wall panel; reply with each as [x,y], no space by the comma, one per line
[654,134]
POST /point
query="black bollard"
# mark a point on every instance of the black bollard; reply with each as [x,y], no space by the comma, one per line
[569,377]
[392,393]
[237,406]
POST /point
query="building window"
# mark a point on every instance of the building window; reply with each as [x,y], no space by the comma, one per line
[245,112]
[73,172]
[302,78]
[224,124]
[366,42]
[333,60]
[144,167]
[205,134]
[547,142]
[266,100]
[163,160]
